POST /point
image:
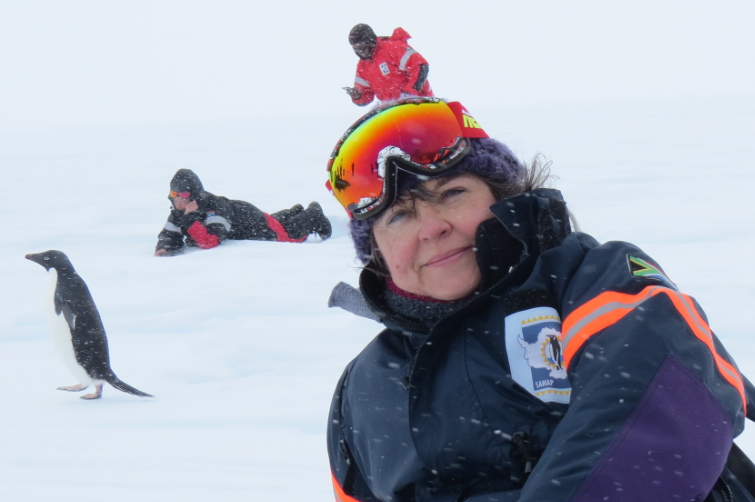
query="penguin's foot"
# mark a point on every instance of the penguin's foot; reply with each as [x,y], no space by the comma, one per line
[95,395]
[73,388]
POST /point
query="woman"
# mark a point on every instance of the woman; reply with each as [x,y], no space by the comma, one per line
[521,361]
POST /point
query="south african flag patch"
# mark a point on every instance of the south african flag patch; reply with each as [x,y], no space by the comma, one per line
[646,270]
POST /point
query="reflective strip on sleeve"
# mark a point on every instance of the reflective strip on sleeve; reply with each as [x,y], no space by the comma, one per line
[610,307]
[339,493]
[405,58]
[217,219]
[170,227]
[361,81]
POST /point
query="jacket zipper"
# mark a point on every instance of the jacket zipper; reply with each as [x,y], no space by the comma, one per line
[724,490]
[520,440]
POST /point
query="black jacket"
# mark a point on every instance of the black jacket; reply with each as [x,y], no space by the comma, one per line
[582,374]
[216,216]
[217,219]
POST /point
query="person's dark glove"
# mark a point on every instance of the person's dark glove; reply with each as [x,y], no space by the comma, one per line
[187,220]
[352,92]
[169,252]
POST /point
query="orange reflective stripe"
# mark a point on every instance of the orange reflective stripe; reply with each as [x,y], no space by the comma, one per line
[600,312]
[339,493]
[686,308]
[608,308]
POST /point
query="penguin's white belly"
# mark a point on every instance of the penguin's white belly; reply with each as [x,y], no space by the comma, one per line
[61,335]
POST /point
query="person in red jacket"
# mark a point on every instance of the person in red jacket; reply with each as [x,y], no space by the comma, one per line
[388,68]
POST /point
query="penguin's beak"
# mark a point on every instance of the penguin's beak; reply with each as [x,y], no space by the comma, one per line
[37,258]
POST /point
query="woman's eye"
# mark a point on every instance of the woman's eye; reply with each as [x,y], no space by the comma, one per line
[395,217]
[453,192]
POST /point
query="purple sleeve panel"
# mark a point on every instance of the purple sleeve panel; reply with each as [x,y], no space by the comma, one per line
[673,446]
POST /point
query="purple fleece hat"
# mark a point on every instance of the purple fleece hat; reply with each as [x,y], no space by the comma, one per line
[488,159]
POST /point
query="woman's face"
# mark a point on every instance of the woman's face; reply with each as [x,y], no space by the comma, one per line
[429,245]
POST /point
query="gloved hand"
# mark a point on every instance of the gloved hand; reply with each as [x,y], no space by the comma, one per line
[353,93]
[188,219]
[166,252]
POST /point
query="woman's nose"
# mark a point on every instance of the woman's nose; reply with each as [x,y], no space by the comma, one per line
[432,223]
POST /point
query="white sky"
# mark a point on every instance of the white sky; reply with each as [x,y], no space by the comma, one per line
[103,62]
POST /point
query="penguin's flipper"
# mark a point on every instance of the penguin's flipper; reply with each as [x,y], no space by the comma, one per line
[65,308]
[88,339]
[73,388]
[95,395]
[124,387]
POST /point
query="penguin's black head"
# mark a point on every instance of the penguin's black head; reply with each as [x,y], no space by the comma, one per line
[51,259]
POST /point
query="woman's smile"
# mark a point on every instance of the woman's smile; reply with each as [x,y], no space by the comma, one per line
[449,258]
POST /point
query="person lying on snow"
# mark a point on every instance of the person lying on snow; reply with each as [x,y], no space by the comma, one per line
[520,360]
[204,220]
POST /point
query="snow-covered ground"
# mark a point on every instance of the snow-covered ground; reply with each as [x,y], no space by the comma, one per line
[237,343]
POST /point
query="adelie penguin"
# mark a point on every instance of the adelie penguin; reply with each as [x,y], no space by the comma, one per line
[76,327]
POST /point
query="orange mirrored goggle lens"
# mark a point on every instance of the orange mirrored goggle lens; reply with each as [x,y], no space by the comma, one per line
[423,129]
[183,195]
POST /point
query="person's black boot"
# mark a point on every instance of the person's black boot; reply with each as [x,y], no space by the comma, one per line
[321,223]
[286,214]
[311,220]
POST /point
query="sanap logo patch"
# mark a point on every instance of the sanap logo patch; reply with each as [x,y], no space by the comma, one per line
[533,343]
[384,68]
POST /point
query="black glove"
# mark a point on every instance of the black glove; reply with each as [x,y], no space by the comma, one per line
[187,220]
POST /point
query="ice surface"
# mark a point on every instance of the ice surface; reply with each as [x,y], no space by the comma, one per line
[237,343]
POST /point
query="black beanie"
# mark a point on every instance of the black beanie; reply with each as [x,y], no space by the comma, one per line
[362,32]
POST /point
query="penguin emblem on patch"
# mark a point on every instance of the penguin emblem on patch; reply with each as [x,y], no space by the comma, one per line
[533,344]
[384,68]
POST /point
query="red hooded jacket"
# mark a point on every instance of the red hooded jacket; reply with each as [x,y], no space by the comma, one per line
[394,69]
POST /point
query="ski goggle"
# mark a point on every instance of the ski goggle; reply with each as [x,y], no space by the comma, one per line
[183,195]
[422,136]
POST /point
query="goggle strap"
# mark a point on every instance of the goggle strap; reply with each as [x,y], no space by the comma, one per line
[468,124]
